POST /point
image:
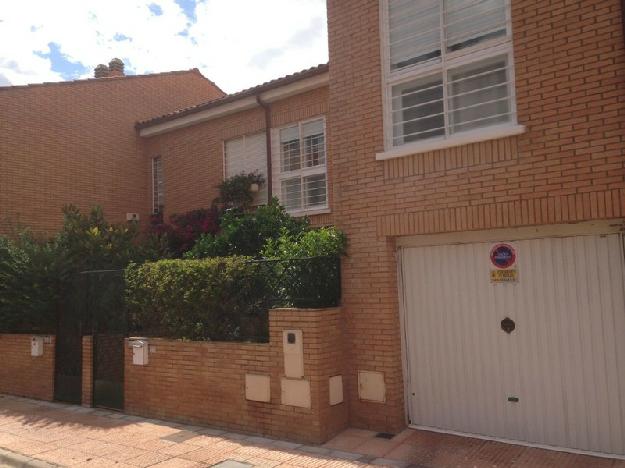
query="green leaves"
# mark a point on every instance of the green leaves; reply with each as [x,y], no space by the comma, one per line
[245,233]
[214,299]
[236,191]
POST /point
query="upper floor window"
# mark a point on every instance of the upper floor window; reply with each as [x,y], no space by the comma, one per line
[158,186]
[302,175]
[448,68]
[247,154]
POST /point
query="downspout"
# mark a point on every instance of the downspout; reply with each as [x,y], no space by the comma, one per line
[623,17]
[267,110]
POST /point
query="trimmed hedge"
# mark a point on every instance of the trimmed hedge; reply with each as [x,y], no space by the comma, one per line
[223,299]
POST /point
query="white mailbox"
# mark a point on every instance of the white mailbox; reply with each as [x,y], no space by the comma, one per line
[36,346]
[293,346]
[140,351]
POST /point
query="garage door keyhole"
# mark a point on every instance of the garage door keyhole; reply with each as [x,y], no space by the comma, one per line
[508,325]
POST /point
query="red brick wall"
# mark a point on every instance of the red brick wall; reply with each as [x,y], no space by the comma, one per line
[192,157]
[568,166]
[204,382]
[76,143]
[22,374]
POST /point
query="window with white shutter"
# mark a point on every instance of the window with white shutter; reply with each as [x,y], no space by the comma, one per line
[299,167]
[448,68]
[158,186]
[247,154]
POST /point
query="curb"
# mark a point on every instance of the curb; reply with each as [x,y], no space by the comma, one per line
[15,460]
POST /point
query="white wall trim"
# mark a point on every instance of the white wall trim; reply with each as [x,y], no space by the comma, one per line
[295,88]
[239,105]
[198,117]
[590,228]
[464,138]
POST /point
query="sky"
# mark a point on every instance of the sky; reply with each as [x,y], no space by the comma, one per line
[235,43]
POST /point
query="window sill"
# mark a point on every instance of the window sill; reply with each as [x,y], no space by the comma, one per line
[459,139]
[313,212]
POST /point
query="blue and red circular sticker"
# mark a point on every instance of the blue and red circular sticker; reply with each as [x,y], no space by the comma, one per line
[502,256]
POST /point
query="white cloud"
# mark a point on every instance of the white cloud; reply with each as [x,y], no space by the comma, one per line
[236,43]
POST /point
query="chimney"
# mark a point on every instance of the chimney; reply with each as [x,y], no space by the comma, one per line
[101,71]
[116,67]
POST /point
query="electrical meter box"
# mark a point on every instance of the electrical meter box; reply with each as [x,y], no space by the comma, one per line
[140,352]
[293,347]
[36,346]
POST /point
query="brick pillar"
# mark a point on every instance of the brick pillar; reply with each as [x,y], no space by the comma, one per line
[323,338]
[87,371]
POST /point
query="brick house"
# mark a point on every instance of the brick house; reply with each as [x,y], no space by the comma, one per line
[74,142]
[473,153]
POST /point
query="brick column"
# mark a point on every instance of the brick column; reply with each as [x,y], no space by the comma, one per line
[87,371]
[323,338]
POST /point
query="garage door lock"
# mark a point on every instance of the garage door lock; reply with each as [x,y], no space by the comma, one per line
[508,325]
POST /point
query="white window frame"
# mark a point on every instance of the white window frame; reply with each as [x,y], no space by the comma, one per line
[156,206]
[492,48]
[303,171]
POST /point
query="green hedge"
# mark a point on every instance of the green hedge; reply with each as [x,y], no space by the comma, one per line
[212,299]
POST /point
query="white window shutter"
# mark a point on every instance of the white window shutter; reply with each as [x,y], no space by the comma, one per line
[246,155]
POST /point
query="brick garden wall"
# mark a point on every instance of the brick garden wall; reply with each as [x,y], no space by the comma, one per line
[75,142]
[204,382]
[22,374]
[568,166]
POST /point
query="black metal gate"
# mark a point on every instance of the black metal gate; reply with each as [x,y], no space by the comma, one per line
[68,354]
[109,325]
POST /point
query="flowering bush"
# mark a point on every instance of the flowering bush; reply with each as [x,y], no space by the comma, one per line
[180,234]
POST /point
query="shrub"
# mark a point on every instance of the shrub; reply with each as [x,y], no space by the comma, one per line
[245,234]
[28,286]
[212,299]
[314,282]
[39,279]
[236,191]
[89,242]
[325,241]
[173,239]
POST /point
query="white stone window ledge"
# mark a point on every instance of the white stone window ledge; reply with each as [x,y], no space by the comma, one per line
[459,139]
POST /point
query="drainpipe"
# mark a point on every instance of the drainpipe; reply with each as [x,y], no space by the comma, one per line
[267,110]
[623,16]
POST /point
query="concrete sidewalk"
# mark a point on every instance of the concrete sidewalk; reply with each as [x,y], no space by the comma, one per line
[41,434]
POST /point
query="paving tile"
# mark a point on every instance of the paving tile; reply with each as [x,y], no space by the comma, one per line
[314,449]
[148,459]
[260,440]
[263,462]
[376,447]
[204,440]
[232,464]
[284,445]
[344,442]
[64,457]
[345,455]
[390,462]
[312,460]
[98,462]
[209,454]
[177,463]
[178,449]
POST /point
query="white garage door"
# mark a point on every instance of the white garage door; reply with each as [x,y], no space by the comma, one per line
[557,379]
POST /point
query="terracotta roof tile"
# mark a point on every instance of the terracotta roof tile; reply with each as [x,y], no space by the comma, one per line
[107,79]
[278,82]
